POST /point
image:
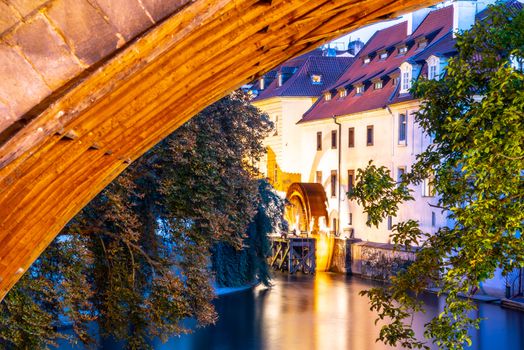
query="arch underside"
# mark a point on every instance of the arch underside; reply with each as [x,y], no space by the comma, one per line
[75,142]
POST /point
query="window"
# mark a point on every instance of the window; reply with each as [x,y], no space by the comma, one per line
[351,180]
[433,219]
[422,44]
[343,93]
[333,183]
[402,128]
[333,139]
[432,72]
[369,135]
[279,79]
[402,50]
[383,55]
[261,83]
[428,190]
[327,96]
[350,218]
[316,79]
[351,137]
[390,223]
[334,225]
[433,67]
[395,80]
[359,89]
[406,85]
[367,60]
[319,141]
[276,126]
[400,172]
[319,177]
[406,70]
[378,85]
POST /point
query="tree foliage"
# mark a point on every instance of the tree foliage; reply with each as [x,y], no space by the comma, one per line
[137,259]
[475,114]
[236,267]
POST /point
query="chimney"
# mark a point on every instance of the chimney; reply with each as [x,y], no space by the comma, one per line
[463,15]
[415,18]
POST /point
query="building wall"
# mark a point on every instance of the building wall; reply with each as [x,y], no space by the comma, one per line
[385,151]
[281,165]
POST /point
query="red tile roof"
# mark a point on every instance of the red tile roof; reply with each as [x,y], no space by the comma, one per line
[436,28]
[299,71]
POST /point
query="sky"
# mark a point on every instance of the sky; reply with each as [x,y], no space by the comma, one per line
[363,33]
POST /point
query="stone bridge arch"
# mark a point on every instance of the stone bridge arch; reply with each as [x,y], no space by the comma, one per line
[87,86]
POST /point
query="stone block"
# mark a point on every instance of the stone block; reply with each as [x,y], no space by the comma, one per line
[89,34]
[46,50]
[127,16]
[25,7]
[160,9]
[8,17]
[21,86]
[6,117]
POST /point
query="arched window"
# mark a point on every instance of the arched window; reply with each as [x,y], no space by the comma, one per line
[433,67]
[406,74]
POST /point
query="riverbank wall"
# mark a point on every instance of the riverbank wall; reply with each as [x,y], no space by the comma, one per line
[372,260]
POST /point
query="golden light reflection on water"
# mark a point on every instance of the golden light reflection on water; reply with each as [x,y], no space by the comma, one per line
[324,250]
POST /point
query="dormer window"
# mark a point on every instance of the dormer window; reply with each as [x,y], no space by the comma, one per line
[327,95]
[366,60]
[279,79]
[405,77]
[402,50]
[261,83]
[421,43]
[377,84]
[359,89]
[433,67]
[343,92]
[383,55]
[316,79]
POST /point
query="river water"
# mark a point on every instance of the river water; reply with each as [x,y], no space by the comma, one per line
[324,311]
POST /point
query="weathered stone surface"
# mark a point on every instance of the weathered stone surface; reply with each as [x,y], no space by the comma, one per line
[26,6]
[87,32]
[160,9]
[126,15]
[8,17]
[21,87]
[6,116]
[46,50]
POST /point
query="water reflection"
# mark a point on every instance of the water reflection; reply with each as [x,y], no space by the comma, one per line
[324,312]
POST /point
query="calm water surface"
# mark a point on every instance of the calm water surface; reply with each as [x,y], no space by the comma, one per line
[323,312]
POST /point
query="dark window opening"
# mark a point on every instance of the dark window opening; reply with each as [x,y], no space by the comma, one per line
[402,127]
[319,141]
[369,135]
[351,137]
[390,223]
[351,180]
[333,139]
[333,183]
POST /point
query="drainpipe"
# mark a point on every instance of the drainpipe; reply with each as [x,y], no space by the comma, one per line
[339,146]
